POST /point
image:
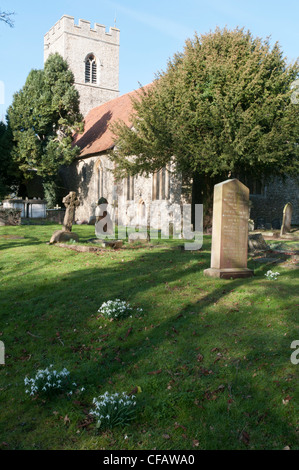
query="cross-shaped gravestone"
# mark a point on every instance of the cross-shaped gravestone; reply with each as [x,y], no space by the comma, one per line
[71,202]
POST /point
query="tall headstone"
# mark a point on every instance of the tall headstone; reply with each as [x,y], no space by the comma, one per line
[230,231]
[287,219]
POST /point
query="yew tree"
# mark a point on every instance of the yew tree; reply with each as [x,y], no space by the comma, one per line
[43,118]
[222,108]
[9,173]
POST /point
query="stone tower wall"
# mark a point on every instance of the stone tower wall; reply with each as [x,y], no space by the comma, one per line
[74,43]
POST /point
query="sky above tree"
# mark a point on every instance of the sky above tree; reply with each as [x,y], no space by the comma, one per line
[151,32]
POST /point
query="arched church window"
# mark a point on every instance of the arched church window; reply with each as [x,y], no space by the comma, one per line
[130,188]
[90,69]
[160,189]
[100,182]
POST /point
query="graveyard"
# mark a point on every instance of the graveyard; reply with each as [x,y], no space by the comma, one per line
[149,237]
[207,360]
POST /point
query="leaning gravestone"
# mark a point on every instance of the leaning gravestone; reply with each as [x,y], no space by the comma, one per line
[71,202]
[256,243]
[230,231]
[287,219]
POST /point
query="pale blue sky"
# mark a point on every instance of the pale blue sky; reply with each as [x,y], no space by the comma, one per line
[151,32]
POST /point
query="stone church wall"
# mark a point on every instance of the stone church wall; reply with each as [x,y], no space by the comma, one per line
[74,43]
[269,206]
[82,176]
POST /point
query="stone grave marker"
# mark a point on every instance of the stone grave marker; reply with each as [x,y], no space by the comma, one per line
[71,202]
[256,243]
[103,223]
[230,231]
[287,219]
[141,237]
[10,216]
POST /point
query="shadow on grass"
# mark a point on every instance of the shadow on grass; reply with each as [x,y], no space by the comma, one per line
[163,349]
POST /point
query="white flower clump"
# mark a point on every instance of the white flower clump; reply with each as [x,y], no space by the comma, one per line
[116,309]
[271,276]
[47,380]
[113,409]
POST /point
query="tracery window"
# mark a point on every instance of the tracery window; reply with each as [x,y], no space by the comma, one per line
[90,69]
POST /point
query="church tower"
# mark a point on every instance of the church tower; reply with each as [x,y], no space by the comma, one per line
[92,55]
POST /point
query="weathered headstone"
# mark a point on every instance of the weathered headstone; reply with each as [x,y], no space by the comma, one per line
[104,224]
[10,216]
[141,237]
[251,225]
[256,243]
[287,219]
[71,202]
[230,231]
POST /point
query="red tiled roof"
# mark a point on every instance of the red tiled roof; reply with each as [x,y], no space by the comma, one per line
[97,137]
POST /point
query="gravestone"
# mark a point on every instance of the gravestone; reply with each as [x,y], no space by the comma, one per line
[141,237]
[10,216]
[103,224]
[71,202]
[256,243]
[230,231]
[287,219]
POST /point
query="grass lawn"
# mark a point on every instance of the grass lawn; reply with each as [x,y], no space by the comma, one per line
[211,356]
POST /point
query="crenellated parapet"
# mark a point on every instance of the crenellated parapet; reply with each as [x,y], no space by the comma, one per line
[93,56]
[67,25]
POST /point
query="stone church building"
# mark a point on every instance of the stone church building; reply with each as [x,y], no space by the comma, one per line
[93,56]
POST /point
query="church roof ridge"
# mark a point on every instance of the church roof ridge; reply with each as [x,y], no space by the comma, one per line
[97,136]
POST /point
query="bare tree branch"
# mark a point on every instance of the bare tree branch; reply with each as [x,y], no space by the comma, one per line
[7,18]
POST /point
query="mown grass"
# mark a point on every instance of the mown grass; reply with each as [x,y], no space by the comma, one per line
[211,356]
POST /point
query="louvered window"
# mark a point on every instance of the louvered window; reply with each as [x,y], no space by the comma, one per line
[90,70]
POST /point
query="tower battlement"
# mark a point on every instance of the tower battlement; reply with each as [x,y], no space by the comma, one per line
[66,24]
[92,55]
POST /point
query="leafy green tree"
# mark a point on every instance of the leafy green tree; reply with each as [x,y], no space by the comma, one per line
[222,108]
[42,118]
[9,173]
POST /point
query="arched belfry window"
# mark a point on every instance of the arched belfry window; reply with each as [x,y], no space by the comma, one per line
[90,69]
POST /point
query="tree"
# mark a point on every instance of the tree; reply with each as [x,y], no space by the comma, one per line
[9,176]
[6,17]
[42,118]
[221,108]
